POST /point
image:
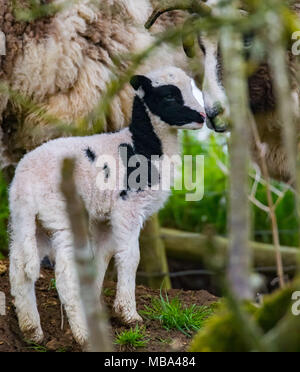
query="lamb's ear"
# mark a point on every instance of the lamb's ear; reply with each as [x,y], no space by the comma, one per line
[140,81]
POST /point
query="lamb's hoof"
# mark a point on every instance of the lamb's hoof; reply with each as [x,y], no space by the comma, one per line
[36,336]
[135,319]
[80,335]
[127,317]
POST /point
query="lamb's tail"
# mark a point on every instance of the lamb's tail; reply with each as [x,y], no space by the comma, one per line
[24,255]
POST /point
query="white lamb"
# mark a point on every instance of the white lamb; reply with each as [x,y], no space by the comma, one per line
[164,102]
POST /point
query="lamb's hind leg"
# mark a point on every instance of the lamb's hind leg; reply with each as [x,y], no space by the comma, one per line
[24,271]
[103,249]
[67,284]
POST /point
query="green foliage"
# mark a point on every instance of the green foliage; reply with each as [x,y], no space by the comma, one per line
[222,332]
[109,292]
[36,347]
[135,337]
[212,209]
[274,309]
[194,216]
[52,284]
[4,214]
[173,315]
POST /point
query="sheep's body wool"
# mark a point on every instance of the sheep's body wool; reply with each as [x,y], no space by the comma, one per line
[63,64]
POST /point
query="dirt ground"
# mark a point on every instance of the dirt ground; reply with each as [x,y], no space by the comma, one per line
[58,337]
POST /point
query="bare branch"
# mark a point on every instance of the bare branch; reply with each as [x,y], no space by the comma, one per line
[272,206]
[235,83]
[193,6]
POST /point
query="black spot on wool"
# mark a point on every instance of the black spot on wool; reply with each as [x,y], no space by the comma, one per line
[106,171]
[90,154]
[124,195]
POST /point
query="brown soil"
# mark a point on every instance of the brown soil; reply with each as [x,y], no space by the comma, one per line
[58,340]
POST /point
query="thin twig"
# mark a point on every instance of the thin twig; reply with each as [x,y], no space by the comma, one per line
[265,172]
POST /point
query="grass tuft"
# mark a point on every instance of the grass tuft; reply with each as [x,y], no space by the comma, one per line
[52,284]
[36,347]
[173,315]
[135,337]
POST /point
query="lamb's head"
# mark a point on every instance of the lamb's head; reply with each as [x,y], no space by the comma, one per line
[168,96]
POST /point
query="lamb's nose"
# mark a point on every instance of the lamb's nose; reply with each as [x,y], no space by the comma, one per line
[202,117]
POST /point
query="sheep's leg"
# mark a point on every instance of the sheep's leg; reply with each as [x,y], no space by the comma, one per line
[68,286]
[102,261]
[127,259]
[103,248]
[24,271]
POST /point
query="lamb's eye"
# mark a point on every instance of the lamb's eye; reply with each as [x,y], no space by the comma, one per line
[170,98]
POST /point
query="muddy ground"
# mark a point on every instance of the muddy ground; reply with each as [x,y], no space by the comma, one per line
[58,337]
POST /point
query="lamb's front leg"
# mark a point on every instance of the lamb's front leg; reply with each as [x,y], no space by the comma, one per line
[127,261]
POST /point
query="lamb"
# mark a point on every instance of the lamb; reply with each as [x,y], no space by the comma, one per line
[261,93]
[163,103]
[63,64]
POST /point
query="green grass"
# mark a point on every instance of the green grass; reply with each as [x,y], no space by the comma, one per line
[52,285]
[166,341]
[109,292]
[135,338]
[36,347]
[212,209]
[172,314]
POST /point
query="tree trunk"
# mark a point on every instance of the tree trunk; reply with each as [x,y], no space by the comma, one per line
[153,266]
[192,247]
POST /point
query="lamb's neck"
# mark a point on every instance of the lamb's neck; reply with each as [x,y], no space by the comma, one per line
[167,136]
[150,137]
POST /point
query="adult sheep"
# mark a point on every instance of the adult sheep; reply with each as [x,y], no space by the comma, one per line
[63,64]
[261,94]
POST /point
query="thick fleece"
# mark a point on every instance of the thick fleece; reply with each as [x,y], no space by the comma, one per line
[63,63]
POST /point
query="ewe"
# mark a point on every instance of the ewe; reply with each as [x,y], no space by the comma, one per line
[164,102]
[262,98]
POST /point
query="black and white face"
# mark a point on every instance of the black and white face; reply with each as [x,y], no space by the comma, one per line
[214,95]
[168,95]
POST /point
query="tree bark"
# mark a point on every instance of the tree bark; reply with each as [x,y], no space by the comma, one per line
[153,263]
[99,340]
[192,247]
